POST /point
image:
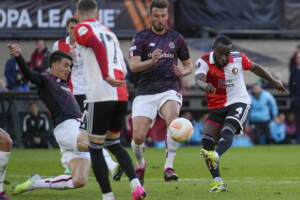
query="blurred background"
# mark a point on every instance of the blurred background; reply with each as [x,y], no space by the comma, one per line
[266,31]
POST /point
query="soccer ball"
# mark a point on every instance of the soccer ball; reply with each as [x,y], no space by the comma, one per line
[181,130]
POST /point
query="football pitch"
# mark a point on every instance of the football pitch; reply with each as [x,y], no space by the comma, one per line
[257,173]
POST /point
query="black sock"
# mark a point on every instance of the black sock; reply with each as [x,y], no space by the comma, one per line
[214,172]
[225,142]
[99,166]
[208,142]
[123,159]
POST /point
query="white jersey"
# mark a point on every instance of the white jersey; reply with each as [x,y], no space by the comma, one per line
[76,83]
[97,89]
[228,80]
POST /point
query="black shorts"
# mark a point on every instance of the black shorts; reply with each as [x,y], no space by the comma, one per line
[80,100]
[100,117]
[237,112]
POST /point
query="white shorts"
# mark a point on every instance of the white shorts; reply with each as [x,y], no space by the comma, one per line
[149,105]
[66,134]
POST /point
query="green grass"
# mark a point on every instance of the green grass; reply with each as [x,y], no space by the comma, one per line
[257,173]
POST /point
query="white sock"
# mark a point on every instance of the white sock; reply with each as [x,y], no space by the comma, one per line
[218,179]
[108,196]
[59,182]
[111,164]
[134,183]
[3,162]
[138,150]
[171,148]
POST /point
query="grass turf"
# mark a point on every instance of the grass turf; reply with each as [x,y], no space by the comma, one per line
[257,173]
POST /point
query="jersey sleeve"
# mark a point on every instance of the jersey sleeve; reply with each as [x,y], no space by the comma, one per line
[183,52]
[136,46]
[246,62]
[82,33]
[201,67]
[55,46]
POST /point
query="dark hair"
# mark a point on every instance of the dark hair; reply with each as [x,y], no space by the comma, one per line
[57,56]
[159,4]
[72,20]
[84,6]
[223,39]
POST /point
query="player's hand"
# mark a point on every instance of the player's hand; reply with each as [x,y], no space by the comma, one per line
[179,70]
[14,50]
[279,86]
[156,54]
[73,53]
[210,88]
[113,82]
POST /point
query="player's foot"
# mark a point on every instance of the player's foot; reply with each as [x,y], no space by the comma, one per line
[169,175]
[210,157]
[117,173]
[139,193]
[140,173]
[217,186]
[23,187]
[3,196]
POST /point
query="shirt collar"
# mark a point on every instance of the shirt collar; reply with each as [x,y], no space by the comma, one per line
[68,40]
[212,60]
[90,20]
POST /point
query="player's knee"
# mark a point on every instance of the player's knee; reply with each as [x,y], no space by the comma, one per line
[232,125]
[79,182]
[139,138]
[5,141]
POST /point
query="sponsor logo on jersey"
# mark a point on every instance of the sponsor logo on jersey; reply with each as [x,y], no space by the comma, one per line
[171,45]
[163,55]
[151,44]
[82,30]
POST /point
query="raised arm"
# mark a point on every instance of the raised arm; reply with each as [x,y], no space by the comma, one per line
[136,65]
[261,72]
[33,76]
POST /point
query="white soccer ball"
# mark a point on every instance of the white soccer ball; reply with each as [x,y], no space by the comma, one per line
[181,130]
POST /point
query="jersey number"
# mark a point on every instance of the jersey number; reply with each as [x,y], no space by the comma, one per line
[108,38]
[239,111]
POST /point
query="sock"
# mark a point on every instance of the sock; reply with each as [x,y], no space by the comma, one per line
[138,150]
[111,164]
[226,141]
[208,143]
[134,183]
[58,182]
[108,196]
[218,179]
[123,159]
[214,172]
[3,162]
[171,149]
[99,166]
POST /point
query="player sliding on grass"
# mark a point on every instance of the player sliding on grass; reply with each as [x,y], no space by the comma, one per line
[220,74]
[54,92]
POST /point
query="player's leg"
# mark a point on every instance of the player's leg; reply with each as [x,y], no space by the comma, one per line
[170,111]
[5,148]
[112,142]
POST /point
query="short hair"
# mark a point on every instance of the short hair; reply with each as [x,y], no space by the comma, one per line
[57,56]
[72,20]
[159,4]
[222,39]
[85,6]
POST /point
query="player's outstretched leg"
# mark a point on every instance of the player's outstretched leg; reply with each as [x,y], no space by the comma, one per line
[5,148]
[171,149]
[226,139]
[138,192]
[114,168]
[138,150]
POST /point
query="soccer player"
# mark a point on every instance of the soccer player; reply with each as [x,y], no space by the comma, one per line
[153,56]
[54,92]
[107,96]
[220,74]
[5,148]
[76,84]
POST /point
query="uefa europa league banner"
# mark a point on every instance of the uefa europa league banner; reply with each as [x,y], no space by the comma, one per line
[21,19]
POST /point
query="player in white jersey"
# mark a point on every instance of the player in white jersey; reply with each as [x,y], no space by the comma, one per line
[106,96]
[5,148]
[76,84]
[220,74]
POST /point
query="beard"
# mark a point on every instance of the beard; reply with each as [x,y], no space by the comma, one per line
[158,28]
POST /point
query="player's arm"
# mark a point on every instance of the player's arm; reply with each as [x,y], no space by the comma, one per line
[33,76]
[261,72]
[200,77]
[184,70]
[136,65]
